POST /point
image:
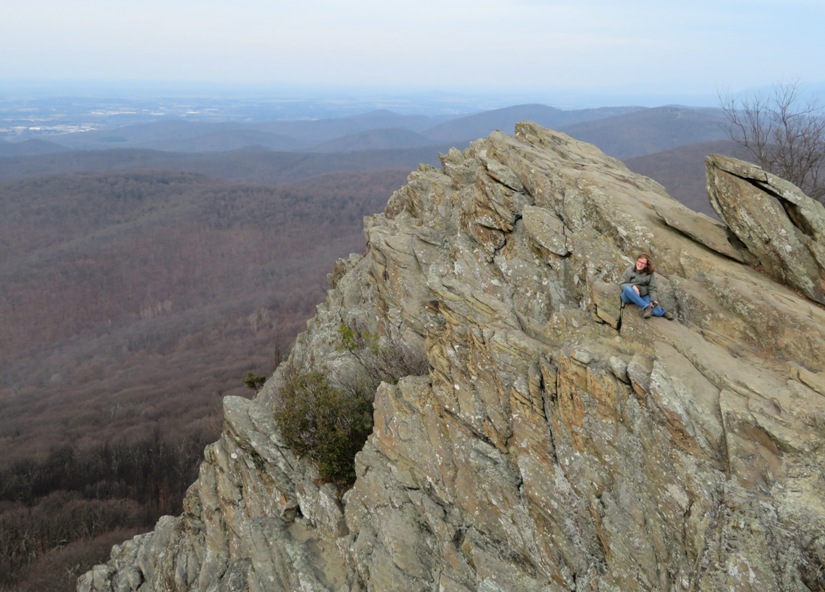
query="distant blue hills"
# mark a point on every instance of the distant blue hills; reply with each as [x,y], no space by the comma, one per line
[622,132]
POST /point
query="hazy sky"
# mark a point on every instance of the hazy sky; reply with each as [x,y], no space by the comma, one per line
[663,47]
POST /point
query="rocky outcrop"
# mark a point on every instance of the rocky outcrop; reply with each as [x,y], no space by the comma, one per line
[557,442]
[780,226]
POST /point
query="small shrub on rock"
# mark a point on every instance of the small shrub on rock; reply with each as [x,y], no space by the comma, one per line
[254,382]
[381,360]
[330,422]
[325,423]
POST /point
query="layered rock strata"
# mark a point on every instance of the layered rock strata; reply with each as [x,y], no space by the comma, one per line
[558,441]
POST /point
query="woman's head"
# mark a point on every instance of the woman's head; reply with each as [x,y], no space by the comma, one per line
[644,263]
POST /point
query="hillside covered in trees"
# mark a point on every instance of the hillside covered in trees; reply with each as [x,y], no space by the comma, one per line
[131,304]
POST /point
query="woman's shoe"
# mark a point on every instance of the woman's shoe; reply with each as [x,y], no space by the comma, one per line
[648,312]
[668,315]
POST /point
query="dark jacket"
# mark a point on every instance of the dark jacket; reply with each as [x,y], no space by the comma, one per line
[644,281]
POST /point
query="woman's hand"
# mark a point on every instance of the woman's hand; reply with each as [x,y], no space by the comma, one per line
[636,288]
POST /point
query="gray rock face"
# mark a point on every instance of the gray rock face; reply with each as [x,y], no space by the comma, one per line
[558,442]
[781,227]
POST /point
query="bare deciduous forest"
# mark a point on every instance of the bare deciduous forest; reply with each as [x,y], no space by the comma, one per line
[131,303]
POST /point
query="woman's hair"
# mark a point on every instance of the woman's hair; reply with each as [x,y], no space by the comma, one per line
[649,267]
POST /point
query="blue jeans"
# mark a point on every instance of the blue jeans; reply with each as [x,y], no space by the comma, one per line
[629,295]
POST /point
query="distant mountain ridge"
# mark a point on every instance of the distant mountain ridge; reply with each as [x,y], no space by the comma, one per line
[251,164]
[667,143]
[379,139]
[656,139]
[475,126]
[650,130]
[28,148]
[682,170]
[623,131]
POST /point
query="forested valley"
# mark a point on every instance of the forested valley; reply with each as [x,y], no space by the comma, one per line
[132,302]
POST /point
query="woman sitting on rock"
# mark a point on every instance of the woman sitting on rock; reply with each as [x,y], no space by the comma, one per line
[638,285]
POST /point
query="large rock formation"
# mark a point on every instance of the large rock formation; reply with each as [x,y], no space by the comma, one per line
[781,227]
[558,442]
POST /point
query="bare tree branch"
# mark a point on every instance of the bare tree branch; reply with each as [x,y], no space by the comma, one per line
[783,134]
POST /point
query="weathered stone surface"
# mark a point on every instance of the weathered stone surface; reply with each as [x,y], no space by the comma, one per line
[700,228]
[781,226]
[557,442]
[607,306]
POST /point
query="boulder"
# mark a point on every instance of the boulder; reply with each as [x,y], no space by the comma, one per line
[782,228]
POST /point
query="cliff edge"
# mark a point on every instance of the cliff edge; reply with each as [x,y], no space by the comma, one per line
[557,441]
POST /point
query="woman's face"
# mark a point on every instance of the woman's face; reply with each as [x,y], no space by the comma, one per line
[641,263]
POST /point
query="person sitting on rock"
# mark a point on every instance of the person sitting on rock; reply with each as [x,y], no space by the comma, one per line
[638,286]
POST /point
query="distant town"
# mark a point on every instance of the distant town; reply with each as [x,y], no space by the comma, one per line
[29,118]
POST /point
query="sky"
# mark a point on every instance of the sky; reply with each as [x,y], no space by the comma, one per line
[547,48]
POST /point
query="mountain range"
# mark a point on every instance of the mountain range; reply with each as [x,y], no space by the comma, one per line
[667,143]
[620,131]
